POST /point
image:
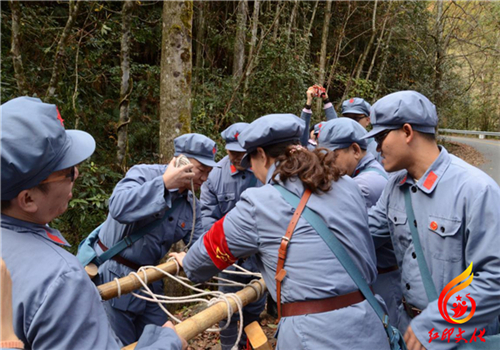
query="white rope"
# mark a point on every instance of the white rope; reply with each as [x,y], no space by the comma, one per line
[217,296]
[118,287]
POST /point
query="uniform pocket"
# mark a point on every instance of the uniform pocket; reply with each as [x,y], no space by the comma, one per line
[401,232]
[226,201]
[444,233]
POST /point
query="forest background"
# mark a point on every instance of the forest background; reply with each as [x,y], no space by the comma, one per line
[137,74]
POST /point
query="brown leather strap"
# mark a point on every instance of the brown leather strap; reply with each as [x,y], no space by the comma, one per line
[411,310]
[322,305]
[285,240]
[381,270]
[118,258]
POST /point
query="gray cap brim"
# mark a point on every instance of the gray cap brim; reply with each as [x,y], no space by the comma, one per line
[203,160]
[379,128]
[235,147]
[354,111]
[81,145]
[245,161]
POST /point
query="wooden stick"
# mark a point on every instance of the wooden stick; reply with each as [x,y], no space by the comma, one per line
[191,327]
[130,283]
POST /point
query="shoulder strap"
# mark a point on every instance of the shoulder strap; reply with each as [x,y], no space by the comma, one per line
[338,249]
[285,240]
[128,240]
[377,170]
[430,289]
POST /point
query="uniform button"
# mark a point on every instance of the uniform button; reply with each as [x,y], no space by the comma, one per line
[225,197]
[442,229]
[395,219]
[157,215]
[413,255]
[415,223]
[170,218]
[414,189]
[476,274]
[293,210]
[408,286]
[243,177]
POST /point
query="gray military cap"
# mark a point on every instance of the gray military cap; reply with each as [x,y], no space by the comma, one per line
[35,144]
[394,110]
[356,105]
[231,134]
[341,133]
[196,146]
[268,130]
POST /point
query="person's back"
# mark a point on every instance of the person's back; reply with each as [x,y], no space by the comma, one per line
[315,280]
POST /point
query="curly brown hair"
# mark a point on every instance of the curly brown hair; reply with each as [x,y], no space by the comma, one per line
[315,169]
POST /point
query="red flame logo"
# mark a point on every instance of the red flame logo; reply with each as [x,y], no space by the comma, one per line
[451,288]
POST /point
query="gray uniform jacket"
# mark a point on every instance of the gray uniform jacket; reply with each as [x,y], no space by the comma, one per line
[458,216]
[55,304]
[222,190]
[137,200]
[256,225]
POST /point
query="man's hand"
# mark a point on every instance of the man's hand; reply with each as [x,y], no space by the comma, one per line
[411,340]
[177,177]
[178,256]
[169,324]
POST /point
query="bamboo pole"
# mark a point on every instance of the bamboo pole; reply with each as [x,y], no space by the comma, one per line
[191,327]
[130,283]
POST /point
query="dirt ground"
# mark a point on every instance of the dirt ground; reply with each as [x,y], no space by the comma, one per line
[210,341]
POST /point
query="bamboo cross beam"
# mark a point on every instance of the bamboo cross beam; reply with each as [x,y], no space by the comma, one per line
[193,326]
[130,283]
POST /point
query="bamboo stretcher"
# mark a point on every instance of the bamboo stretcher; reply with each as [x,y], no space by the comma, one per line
[193,326]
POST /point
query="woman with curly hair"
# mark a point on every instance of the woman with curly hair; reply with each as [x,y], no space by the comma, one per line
[320,305]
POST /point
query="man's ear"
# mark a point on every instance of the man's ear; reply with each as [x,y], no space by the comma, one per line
[25,200]
[409,132]
[357,151]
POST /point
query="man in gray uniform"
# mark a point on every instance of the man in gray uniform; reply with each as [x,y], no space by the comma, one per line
[344,137]
[456,223]
[55,305]
[219,194]
[358,110]
[150,193]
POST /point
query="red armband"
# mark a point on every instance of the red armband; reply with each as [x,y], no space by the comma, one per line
[216,246]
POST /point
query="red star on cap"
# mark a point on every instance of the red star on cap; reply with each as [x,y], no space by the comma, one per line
[214,150]
[59,117]
[236,135]
[351,100]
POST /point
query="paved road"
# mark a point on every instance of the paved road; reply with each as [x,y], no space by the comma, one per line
[490,149]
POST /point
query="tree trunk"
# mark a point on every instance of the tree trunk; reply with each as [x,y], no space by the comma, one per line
[276,27]
[292,20]
[125,88]
[240,39]
[379,43]
[176,70]
[438,65]
[17,61]
[322,57]
[200,34]
[61,46]
[370,43]
[381,70]
[253,40]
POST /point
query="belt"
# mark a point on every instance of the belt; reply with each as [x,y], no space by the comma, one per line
[321,305]
[411,310]
[381,270]
[118,258]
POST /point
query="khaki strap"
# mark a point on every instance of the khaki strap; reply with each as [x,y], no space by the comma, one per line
[285,240]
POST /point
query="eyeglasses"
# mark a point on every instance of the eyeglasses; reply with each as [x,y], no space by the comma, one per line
[71,175]
[380,137]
